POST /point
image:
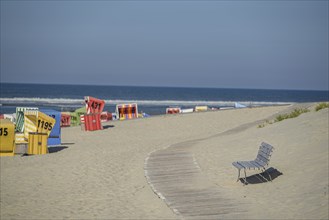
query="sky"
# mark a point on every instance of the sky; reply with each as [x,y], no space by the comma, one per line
[220,44]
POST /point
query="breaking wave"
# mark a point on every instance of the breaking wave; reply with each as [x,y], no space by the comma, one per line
[79,102]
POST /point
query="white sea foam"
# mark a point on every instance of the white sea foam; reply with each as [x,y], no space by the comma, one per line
[73,102]
[37,100]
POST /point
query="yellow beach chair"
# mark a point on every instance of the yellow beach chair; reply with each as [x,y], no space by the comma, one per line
[7,137]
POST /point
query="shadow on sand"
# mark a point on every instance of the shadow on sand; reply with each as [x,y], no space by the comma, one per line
[108,126]
[56,149]
[270,173]
[51,150]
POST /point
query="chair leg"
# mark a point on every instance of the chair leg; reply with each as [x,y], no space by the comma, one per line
[238,176]
[245,177]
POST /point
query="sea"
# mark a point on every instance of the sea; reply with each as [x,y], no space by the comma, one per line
[150,100]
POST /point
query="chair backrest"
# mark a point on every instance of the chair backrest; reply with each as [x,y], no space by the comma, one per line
[264,154]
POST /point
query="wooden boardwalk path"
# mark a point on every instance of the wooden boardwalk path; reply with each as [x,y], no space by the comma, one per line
[175,177]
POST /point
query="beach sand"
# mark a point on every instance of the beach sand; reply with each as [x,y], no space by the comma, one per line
[100,175]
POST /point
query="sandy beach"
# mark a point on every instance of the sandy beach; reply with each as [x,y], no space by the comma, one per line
[101,174]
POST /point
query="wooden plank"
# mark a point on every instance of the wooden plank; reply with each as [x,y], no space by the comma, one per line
[177,178]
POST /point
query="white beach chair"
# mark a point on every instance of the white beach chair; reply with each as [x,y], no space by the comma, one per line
[261,162]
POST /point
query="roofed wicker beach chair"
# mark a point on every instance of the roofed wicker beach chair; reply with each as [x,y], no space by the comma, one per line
[261,162]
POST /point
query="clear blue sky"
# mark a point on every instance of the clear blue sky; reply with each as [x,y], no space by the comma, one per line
[224,44]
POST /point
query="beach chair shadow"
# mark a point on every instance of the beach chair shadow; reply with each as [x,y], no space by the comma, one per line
[56,149]
[51,150]
[256,178]
[108,126]
[67,143]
